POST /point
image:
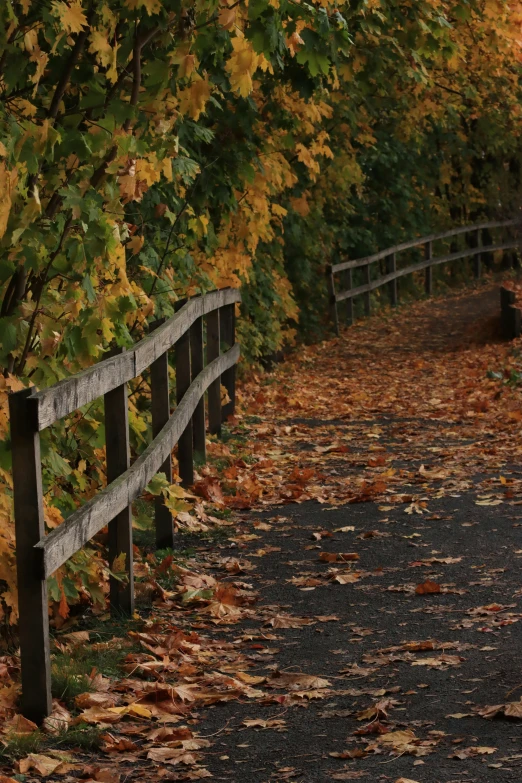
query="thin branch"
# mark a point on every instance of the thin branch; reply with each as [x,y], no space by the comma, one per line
[67,72]
[42,283]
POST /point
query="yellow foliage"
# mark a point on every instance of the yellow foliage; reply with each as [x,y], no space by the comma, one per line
[242,65]
[72,17]
[193,99]
[8,180]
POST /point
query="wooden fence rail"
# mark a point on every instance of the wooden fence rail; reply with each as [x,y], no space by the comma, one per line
[39,555]
[392,275]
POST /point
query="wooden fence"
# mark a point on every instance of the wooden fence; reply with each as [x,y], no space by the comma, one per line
[39,555]
[389,256]
[510,314]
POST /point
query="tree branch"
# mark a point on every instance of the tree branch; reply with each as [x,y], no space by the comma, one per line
[41,285]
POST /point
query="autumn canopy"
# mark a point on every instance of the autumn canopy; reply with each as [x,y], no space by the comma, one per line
[153,149]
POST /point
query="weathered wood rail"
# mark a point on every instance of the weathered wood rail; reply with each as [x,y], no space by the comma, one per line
[39,555]
[389,256]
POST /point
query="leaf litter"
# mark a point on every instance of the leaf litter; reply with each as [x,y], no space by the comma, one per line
[410,439]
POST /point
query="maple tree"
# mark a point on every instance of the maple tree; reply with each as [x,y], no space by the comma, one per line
[153,149]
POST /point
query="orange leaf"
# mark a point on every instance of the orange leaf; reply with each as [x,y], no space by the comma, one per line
[427,587]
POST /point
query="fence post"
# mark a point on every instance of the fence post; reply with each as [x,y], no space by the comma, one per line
[477,261]
[197,363]
[228,379]
[33,624]
[214,390]
[348,281]
[330,282]
[367,302]
[428,254]
[391,266]
[183,380]
[160,404]
[117,449]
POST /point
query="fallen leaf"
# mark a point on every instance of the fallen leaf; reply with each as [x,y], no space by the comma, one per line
[427,588]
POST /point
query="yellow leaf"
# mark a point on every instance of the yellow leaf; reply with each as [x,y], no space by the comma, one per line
[166,168]
[101,47]
[136,243]
[242,65]
[53,516]
[118,564]
[132,709]
[71,16]
[41,59]
[227,18]
[31,39]
[193,99]
[8,180]
[107,330]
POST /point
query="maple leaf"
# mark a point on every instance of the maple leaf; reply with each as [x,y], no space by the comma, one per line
[71,15]
[42,764]
[193,99]
[210,489]
[330,557]
[286,621]
[59,719]
[241,65]
[20,725]
[297,682]
[85,700]
[466,753]
[427,588]
[8,180]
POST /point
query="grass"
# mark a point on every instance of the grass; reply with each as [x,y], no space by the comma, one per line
[68,679]
[71,671]
[82,737]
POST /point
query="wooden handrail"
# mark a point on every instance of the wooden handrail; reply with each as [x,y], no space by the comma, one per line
[341,267]
[393,273]
[62,542]
[468,253]
[39,555]
[81,389]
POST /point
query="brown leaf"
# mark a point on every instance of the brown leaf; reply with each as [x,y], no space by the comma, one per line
[466,753]
[19,725]
[331,557]
[513,709]
[43,765]
[210,489]
[99,715]
[171,756]
[428,587]
[106,775]
[286,621]
[85,700]
[297,682]
[168,734]
[58,720]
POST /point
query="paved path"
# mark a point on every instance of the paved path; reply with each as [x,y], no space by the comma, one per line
[405,672]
